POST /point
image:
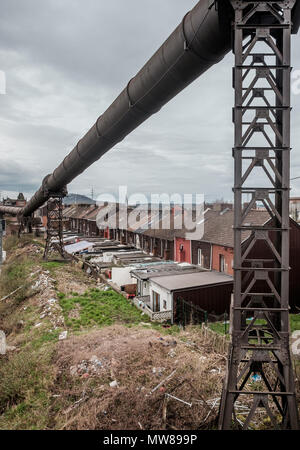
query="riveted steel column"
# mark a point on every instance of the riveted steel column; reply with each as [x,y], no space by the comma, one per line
[259,372]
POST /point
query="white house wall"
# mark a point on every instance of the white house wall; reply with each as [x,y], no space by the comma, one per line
[145,289]
[164,295]
[121,276]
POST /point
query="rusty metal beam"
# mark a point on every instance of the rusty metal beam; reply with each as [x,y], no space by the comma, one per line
[260,346]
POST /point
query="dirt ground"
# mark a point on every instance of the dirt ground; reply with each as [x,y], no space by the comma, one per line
[128,375]
[67,282]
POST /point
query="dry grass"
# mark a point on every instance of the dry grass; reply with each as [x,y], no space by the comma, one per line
[26,379]
[39,391]
[130,356]
[51,384]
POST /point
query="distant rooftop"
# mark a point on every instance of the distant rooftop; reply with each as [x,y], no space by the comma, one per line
[78,199]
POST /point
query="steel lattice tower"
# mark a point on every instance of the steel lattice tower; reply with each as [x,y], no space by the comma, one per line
[260,346]
[54,238]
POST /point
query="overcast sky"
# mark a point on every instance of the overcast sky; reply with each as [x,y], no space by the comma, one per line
[66,61]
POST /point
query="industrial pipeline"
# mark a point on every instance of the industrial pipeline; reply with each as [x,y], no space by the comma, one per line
[199,42]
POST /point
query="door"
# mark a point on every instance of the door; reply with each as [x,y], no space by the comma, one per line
[156,301]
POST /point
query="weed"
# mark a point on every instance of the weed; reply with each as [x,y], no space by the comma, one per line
[14,275]
[100,308]
[50,265]
[10,243]
[219,327]
[44,338]
[295,322]
[25,381]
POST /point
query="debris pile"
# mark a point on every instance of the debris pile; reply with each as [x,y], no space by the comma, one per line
[91,366]
[140,378]
[47,300]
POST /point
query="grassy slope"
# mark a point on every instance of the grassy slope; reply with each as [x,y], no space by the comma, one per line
[29,379]
[27,375]
[100,308]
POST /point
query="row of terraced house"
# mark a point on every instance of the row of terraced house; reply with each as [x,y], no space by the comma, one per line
[214,251]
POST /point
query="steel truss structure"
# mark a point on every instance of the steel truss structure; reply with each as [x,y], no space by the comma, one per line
[54,238]
[259,348]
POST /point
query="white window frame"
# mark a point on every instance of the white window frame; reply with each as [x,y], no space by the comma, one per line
[222,264]
[200,259]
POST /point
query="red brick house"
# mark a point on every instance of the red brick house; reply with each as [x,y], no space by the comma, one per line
[215,251]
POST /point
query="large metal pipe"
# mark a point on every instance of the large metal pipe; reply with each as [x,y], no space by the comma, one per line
[11,210]
[201,40]
[296,17]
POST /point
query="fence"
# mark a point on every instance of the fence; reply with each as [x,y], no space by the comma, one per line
[189,314]
[219,343]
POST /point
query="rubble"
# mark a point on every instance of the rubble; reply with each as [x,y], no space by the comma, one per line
[63,335]
[128,372]
[49,304]
[91,366]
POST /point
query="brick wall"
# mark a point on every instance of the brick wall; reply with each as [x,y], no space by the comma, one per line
[227,253]
[182,250]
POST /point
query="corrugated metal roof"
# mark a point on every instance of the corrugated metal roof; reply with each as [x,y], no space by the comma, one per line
[78,246]
[190,280]
[159,270]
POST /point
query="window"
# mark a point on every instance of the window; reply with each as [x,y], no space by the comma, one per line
[200,257]
[221,263]
[165,304]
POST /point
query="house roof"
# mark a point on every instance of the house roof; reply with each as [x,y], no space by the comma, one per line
[78,247]
[88,212]
[73,211]
[159,270]
[92,214]
[218,227]
[196,279]
[157,229]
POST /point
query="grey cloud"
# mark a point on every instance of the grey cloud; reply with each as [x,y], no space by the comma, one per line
[66,62]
